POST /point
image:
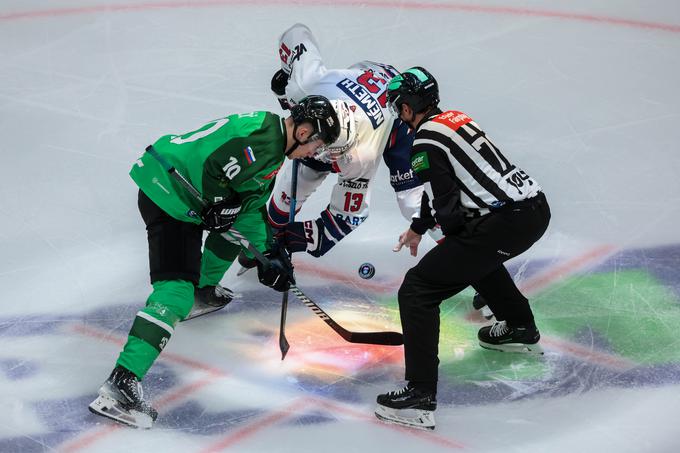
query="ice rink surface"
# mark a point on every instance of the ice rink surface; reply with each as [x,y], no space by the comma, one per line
[582,94]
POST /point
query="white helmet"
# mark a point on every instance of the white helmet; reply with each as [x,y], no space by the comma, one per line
[347,137]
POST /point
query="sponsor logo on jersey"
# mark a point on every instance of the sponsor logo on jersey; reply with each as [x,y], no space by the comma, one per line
[364,100]
[401,177]
[420,162]
[354,183]
[250,155]
[452,119]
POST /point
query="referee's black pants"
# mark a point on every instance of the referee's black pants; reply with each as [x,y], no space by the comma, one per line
[474,256]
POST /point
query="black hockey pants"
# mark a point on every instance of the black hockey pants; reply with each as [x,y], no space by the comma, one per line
[474,256]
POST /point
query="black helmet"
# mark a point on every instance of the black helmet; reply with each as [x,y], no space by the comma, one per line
[415,87]
[318,111]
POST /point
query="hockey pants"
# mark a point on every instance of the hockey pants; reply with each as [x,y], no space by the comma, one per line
[176,265]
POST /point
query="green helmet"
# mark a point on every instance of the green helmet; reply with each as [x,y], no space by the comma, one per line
[415,87]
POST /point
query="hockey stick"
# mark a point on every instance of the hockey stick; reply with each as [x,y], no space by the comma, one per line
[283,342]
[380,338]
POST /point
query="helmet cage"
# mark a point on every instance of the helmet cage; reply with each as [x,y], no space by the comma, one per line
[347,137]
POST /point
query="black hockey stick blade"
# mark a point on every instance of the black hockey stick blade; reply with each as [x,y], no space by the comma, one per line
[382,338]
[283,342]
[377,338]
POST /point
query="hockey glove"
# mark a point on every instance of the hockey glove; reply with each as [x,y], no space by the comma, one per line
[278,86]
[220,216]
[278,273]
[293,237]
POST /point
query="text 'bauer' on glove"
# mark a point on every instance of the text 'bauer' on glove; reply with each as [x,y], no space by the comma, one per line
[221,215]
[278,273]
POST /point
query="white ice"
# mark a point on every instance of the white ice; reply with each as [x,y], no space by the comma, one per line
[583,94]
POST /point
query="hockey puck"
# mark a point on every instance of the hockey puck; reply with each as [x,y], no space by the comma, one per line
[366,270]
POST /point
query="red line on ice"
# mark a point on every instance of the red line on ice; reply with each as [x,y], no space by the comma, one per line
[248,430]
[89,437]
[430,436]
[169,356]
[96,435]
[464,7]
[559,272]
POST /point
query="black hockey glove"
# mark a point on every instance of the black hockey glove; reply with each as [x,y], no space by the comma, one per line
[278,273]
[278,86]
[220,216]
[293,237]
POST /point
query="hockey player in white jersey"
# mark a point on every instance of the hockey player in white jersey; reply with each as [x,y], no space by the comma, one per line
[369,131]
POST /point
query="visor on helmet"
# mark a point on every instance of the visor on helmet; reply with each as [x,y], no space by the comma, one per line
[346,138]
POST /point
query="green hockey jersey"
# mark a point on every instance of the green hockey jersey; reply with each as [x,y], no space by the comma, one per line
[236,155]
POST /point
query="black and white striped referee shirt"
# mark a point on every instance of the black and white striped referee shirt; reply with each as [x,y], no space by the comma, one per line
[464,173]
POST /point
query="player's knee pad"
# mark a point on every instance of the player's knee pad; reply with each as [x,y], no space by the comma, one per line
[170,301]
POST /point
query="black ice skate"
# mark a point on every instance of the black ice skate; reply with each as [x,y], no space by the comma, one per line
[479,303]
[501,337]
[209,299]
[409,406]
[121,399]
[246,264]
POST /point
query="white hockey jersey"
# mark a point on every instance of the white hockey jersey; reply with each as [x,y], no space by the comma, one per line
[363,86]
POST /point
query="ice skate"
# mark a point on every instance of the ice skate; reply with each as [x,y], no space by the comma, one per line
[478,303]
[209,299]
[501,337]
[409,407]
[121,399]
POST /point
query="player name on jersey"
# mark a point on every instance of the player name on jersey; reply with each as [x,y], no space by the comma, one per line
[364,99]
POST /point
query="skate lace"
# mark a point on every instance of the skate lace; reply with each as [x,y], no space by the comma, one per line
[400,392]
[221,291]
[131,388]
[499,328]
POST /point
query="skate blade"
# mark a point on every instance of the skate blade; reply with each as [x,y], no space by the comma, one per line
[410,418]
[110,408]
[201,310]
[243,270]
[514,347]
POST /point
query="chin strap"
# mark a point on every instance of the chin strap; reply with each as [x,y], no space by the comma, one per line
[292,148]
[298,142]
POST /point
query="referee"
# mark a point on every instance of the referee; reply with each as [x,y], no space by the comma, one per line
[489,210]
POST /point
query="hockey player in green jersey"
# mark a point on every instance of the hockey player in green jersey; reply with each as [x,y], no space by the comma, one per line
[232,162]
